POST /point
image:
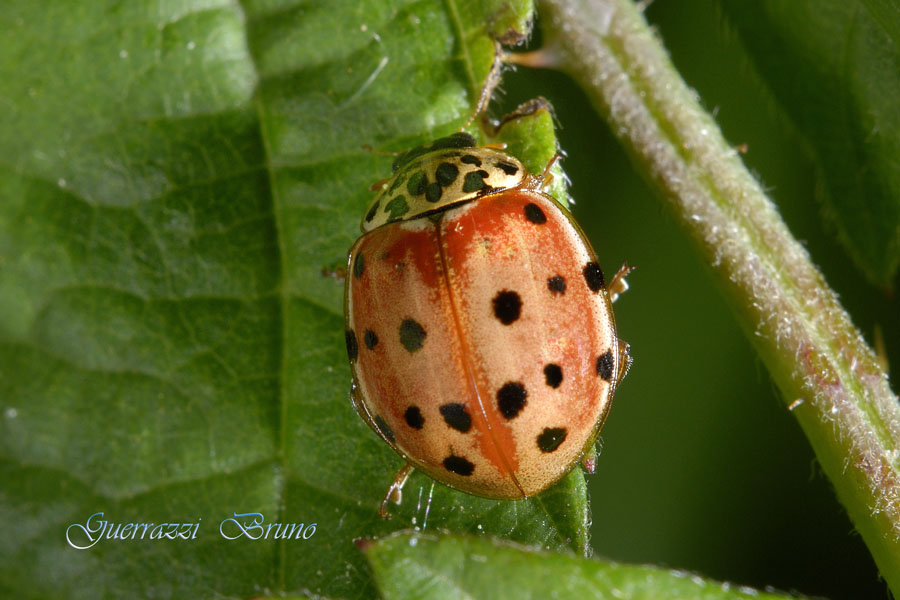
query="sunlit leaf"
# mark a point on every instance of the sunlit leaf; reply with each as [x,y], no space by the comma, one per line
[180,184]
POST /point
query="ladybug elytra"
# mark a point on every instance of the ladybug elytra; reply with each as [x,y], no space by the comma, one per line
[479,324]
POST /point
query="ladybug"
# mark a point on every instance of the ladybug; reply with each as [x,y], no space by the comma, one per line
[479,324]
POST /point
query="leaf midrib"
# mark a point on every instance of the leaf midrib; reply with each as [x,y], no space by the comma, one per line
[285,292]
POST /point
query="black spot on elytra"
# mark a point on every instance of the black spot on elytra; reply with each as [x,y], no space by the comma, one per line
[507,306]
[446,174]
[605,365]
[359,265]
[474,182]
[557,284]
[412,335]
[372,211]
[471,160]
[396,207]
[553,375]
[417,183]
[508,168]
[370,339]
[414,418]
[433,192]
[460,139]
[593,275]
[551,438]
[383,428]
[511,399]
[534,214]
[456,416]
[352,346]
[456,140]
[398,181]
[459,465]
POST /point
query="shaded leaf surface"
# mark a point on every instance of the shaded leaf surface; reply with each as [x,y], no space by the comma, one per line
[178,180]
[413,565]
[835,69]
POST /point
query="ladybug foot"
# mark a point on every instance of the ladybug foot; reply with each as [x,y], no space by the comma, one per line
[617,284]
[395,492]
[589,460]
[625,361]
[336,273]
[545,179]
[548,57]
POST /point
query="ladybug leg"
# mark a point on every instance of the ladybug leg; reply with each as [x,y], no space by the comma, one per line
[547,57]
[625,361]
[338,273]
[379,185]
[395,492]
[546,177]
[589,460]
[363,412]
[360,408]
[617,284]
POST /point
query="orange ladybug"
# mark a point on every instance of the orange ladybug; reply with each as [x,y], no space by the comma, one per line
[479,324]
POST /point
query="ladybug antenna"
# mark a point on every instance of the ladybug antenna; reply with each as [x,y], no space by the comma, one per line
[372,150]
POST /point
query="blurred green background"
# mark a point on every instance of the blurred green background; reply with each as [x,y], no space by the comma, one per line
[703,468]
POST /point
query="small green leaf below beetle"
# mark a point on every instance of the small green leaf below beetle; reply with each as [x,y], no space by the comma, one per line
[410,564]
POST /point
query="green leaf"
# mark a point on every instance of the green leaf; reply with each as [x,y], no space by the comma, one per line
[834,67]
[180,183]
[415,565]
[529,135]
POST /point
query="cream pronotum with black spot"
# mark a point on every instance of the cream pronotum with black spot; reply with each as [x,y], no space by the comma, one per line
[479,327]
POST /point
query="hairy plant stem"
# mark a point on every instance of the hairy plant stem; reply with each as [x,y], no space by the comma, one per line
[826,372]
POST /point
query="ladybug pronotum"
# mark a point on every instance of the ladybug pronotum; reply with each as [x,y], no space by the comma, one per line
[479,324]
